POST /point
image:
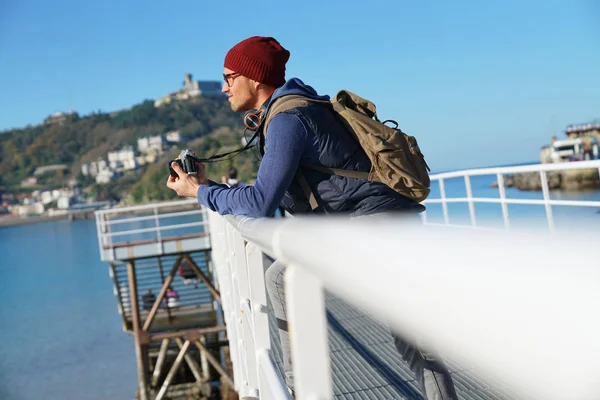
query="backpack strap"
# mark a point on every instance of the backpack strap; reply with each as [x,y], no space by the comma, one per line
[369,176]
[284,103]
[310,195]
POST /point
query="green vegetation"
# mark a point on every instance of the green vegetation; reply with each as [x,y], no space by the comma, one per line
[207,126]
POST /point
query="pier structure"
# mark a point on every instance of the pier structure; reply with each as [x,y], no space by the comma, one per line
[160,264]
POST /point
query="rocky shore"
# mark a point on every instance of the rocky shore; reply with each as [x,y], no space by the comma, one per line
[572,180]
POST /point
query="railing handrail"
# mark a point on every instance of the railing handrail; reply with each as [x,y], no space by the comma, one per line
[589,164]
[152,206]
[502,199]
[149,217]
[155,229]
[478,310]
[541,202]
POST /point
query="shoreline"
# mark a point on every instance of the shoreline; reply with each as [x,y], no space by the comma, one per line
[10,220]
[16,221]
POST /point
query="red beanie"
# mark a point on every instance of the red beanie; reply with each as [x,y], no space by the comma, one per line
[259,58]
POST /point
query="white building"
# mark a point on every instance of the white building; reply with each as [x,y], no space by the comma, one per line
[173,136]
[124,154]
[114,165]
[46,197]
[130,164]
[64,202]
[35,208]
[104,176]
[192,88]
[150,143]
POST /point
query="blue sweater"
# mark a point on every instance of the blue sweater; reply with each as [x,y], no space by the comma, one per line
[289,141]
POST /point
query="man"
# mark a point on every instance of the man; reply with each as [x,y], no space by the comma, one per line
[148,300]
[231,178]
[254,74]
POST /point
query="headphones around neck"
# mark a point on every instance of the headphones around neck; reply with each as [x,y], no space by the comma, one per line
[253,119]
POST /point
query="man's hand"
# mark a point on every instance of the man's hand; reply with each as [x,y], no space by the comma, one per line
[187,185]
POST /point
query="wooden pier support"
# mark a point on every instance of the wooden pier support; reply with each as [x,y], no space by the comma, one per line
[141,349]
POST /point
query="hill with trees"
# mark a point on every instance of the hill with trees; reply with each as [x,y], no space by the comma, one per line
[207,126]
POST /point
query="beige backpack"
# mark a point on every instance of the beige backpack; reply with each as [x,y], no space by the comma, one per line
[396,158]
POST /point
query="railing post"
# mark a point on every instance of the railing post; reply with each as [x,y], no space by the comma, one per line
[158,235]
[307,324]
[470,200]
[546,193]
[236,341]
[100,232]
[250,383]
[444,204]
[221,253]
[503,203]
[260,322]
[140,346]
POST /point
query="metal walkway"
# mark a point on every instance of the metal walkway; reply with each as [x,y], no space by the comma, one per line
[366,365]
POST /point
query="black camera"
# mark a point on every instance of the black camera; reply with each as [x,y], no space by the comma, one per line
[187,162]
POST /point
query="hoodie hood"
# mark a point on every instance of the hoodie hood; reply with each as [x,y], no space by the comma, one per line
[296,86]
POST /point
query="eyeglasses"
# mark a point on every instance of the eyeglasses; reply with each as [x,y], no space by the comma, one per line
[229,78]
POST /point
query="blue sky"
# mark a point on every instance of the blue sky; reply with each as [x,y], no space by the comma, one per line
[478,82]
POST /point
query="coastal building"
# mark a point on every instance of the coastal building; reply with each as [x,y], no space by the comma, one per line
[104,176]
[173,136]
[122,159]
[124,154]
[149,144]
[584,130]
[581,143]
[28,209]
[65,202]
[93,168]
[191,88]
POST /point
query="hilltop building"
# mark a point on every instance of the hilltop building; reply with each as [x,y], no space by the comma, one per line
[60,117]
[190,89]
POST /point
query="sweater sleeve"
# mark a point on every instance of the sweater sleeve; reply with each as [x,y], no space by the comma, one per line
[287,140]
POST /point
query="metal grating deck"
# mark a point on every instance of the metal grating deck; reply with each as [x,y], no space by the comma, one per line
[366,365]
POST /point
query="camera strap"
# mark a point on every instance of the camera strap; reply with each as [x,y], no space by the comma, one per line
[218,157]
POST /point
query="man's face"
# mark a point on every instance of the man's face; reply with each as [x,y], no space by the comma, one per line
[240,91]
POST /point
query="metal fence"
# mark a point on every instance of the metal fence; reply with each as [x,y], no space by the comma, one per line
[500,174]
[152,223]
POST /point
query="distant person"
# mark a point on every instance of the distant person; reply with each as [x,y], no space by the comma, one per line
[187,273]
[172,298]
[148,300]
[254,75]
[230,179]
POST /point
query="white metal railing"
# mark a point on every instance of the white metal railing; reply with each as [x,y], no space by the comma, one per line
[513,316]
[127,216]
[500,173]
